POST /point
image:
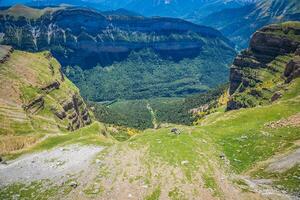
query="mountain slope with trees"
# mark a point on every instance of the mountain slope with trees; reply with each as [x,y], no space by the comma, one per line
[114,55]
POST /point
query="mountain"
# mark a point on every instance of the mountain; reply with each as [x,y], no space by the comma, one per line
[168,8]
[35,96]
[238,24]
[251,152]
[136,57]
[260,74]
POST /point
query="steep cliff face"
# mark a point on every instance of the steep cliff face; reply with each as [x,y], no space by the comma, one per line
[36,97]
[86,37]
[259,74]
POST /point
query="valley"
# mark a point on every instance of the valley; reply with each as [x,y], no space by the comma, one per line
[128,57]
[112,104]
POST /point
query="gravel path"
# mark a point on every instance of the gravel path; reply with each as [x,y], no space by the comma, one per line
[53,164]
[286,162]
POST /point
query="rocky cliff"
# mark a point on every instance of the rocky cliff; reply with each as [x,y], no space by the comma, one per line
[84,37]
[36,97]
[259,74]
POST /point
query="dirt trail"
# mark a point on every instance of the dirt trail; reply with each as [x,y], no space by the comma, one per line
[154,120]
[285,162]
[54,164]
[264,188]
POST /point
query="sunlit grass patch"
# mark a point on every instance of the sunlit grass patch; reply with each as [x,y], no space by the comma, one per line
[89,135]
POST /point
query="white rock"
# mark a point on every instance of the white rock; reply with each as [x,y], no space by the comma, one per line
[184,162]
[98,161]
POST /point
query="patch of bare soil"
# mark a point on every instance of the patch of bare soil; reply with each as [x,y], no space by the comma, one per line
[265,189]
[285,162]
[292,121]
[55,165]
[126,173]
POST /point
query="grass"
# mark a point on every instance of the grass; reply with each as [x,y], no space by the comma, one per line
[154,195]
[290,25]
[242,135]
[177,194]
[89,135]
[252,142]
[170,148]
[29,93]
[29,13]
[10,143]
[27,73]
[41,190]
[288,180]
[209,182]
[93,190]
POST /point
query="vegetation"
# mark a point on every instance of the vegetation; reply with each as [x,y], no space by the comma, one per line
[92,134]
[155,195]
[263,83]
[145,75]
[197,150]
[137,113]
[172,160]
[41,190]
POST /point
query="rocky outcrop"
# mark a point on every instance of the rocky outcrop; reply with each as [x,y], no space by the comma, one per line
[5,52]
[35,105]
[292,70]
[50,87]
[75,111]
[265,46]
[37,98]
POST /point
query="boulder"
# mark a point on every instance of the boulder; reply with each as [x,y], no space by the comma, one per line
[175,131]
[73,184]
[276,96]
[292,70]
[52,86]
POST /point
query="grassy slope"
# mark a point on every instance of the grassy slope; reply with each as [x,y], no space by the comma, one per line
[241,135]
[21,78]
[188,165]
[27,12]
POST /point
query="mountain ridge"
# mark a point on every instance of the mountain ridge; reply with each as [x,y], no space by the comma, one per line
[92,45]
[239,24]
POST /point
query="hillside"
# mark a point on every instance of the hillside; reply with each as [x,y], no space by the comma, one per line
[36,99]
[259,74]
[168,8]
[150,57]
[238,24]
[251,152]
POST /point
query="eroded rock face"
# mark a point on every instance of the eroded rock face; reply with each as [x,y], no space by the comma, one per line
[265,45]
[75,111]
[35,105]
[36,97]
[5,52]
[86,38]
[292,70]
